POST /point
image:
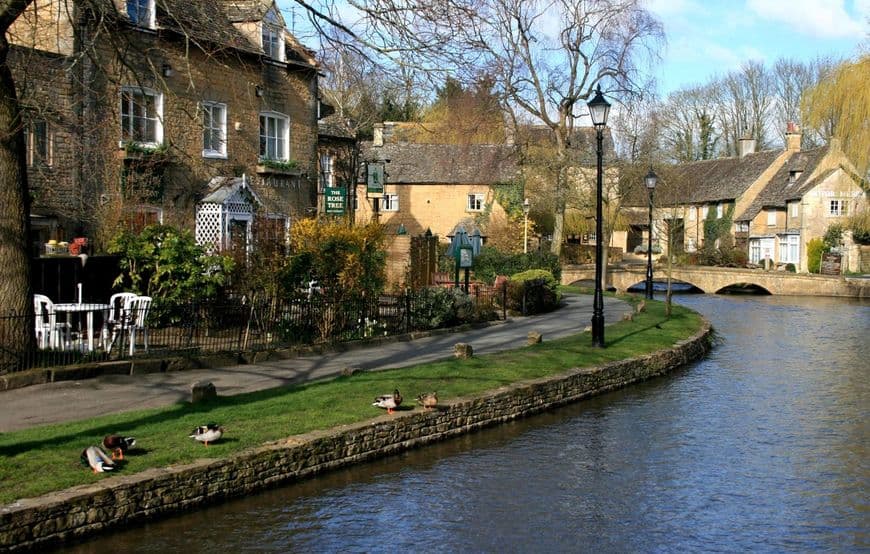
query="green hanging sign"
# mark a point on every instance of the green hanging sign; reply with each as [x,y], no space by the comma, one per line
[334,200]
[375,180]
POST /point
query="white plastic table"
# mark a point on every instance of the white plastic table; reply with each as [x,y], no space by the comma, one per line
[88,310]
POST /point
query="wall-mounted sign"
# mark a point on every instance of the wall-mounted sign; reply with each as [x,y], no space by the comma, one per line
[334,200]
[831,263]
[375,178]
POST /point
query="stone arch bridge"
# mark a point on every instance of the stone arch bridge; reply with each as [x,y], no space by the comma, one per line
[714,279]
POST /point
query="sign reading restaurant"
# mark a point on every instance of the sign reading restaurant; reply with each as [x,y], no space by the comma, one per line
[334,200]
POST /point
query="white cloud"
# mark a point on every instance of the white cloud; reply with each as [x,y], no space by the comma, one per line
[818,18]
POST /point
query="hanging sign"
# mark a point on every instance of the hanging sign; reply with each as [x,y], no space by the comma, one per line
[375,180]
[334,200]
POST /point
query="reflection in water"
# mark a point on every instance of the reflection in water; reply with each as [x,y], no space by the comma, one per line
[760,447]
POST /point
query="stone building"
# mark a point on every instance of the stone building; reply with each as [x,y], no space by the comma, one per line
[137,110]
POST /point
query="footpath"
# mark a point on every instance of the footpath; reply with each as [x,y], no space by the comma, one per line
[73,400]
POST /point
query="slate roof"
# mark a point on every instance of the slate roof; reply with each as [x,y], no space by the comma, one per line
[203,21]
[582,143]
[335,126]
[779,191]
[413,163]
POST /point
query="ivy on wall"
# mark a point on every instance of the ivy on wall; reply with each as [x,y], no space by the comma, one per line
[718,228]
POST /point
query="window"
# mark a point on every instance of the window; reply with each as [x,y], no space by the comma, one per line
[755,251]
[789,249]
[390,203]
[274,137]
[214,130]
[141,116]
[719,210]
[741,227]
[39,144]
[141,13]
[771,217]
[693,213]
[143,216]
[704,211]
[327,177]
[272,33]
[475,203]
[837,208]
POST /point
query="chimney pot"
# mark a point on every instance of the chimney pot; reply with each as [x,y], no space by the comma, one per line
[746,146]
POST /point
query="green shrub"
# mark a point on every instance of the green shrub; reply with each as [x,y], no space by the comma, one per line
[859,224]
[166,264]
[491,263]
[790,267]
[433,308]
[815,249]
[533,291]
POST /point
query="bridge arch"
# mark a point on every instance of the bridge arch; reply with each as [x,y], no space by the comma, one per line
[753,288]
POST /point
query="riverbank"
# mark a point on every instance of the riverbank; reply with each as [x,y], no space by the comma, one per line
[241,468]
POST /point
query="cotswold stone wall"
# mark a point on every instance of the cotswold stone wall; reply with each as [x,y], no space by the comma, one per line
[119,500]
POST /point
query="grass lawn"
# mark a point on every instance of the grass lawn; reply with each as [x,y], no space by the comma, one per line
[44,459]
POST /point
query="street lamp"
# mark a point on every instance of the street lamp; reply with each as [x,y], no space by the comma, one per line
[650,181]
[599,108]
[526,207]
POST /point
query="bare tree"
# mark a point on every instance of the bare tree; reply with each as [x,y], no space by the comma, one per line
[546,57]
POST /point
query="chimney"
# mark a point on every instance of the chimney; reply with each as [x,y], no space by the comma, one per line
[745,146]
[793,137]
[378,135]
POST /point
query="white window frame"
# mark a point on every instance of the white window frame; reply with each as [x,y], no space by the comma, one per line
[128,105]
[390,202]
[705,210]
[793,206]
[771,218]
[693,213]
[837,208]
[274,137]
[754,251]
[31,137]
[720,210]
[212,126]
[741,227]
[141,8]
[789,249]
[327,174]
[476,202]
[272,36]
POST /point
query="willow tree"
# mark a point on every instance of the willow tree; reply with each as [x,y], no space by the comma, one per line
[845,99]
[546,57]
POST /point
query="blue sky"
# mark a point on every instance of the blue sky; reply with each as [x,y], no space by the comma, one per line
[710,37]
[706,38]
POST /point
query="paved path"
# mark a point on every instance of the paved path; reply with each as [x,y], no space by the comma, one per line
[72,400]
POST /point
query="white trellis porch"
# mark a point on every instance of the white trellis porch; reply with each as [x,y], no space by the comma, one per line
[226,210]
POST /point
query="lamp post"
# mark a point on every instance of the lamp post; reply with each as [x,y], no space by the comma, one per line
[650,181]
[599,109]
[526,208]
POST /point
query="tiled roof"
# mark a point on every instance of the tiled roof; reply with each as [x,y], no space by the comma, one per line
[444,163]
[240,11]
[582,144]
[724,178]
[335,126]
[778,191]
[203,21]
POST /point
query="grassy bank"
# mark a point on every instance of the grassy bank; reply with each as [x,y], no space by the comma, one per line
[45,459]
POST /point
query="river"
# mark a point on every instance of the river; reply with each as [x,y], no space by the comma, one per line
[762,446]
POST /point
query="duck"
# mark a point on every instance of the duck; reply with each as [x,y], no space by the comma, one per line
[118,445]
[388,401]
[97,460]
[207,433]
[428,400]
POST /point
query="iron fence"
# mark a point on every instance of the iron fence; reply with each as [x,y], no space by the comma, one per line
[240,323]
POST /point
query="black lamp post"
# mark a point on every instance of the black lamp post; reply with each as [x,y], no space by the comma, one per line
[650,181]
[599,109]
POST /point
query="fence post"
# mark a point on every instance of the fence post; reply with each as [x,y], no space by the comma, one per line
[407,310]
[504,302]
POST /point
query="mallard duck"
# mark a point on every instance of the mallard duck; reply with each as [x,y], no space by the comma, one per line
[97,460]
[118,445]
[428,400]
[388,401]
[207,433]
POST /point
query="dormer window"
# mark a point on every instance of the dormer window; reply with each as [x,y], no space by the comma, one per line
[141,13]
[793,176]
[273,36]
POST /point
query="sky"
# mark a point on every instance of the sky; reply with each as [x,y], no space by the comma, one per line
[706,38]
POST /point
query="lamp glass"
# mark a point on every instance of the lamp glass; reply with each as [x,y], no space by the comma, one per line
[599,108]
[650,179]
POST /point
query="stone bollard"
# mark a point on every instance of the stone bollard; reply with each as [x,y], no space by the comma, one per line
[350,370]
[628,316]
[202,391]
[462,350]
[534,337]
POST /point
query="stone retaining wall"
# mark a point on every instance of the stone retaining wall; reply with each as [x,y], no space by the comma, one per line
[119,500]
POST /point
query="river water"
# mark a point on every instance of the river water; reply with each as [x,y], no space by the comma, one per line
[762,446]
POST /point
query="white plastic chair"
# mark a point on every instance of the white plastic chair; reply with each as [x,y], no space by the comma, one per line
[115,317]
[133,320]
[49,333]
